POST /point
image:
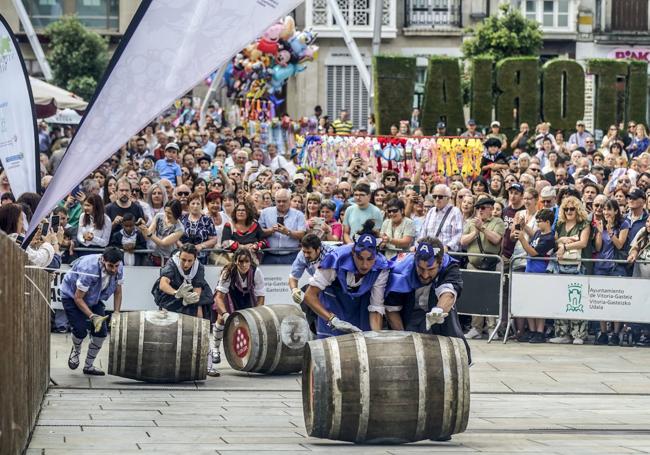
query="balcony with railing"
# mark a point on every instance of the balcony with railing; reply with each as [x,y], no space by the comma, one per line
[359,15]
[432,16]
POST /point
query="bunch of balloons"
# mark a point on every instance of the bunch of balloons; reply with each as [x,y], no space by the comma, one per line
[261,69]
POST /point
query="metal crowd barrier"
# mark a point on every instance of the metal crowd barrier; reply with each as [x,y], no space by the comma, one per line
[549,275]
[478,289]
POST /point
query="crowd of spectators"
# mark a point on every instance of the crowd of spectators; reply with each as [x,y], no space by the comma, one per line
[541,194]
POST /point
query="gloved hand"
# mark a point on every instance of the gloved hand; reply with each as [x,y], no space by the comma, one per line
[190,298]
[97,321]
[297,295]
[183,290]
[343,326]
[435,316]
[224,317]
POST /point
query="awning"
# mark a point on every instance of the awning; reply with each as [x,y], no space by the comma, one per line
[49,99]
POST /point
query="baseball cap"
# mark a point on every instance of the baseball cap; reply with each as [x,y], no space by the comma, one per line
[172,146]
[495,123]
[366,242]
[516,187]
[427,252]
[580,123]
[441,125]
[636,193]
[471,122]
[299,176]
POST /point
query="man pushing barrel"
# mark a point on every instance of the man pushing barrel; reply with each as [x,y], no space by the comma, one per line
[425,286]
[92,280]
[347,290]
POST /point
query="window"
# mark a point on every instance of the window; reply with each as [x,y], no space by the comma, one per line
[95,14]
[551,14]
[433,13]
[345,90]
[358,15]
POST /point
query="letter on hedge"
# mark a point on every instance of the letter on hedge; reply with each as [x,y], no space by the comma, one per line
[442,97]
[563,95]
[481,99]
[393,84]
[605,106]
[637,92]
[518,85]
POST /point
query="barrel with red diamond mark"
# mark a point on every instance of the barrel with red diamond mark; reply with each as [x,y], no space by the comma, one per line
[266,339]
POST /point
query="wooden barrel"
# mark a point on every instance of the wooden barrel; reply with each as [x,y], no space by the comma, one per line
[385,387]
[158,346]
[266,339]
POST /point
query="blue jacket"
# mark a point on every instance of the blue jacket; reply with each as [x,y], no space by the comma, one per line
[92,285]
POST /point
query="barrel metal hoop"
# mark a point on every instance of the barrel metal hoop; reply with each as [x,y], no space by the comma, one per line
[364,385]
[179,345]
[262,347]
[337,395]
[116,325]
[278,351]
[422,386]
[445,353]
[125,329]
[141,342]
[195,339]
[205,337]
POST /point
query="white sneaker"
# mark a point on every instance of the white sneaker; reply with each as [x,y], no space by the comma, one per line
[472,333]
[578,341]
[560,340]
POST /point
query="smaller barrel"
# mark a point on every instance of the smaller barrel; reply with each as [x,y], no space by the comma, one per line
[158,346]
[385,387]
[266,339]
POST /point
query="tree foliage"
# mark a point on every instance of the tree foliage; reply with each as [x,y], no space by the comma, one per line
[78,56]
[508,34]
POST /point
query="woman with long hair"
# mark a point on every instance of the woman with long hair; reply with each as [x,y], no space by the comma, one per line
[228,200]
[298,202]
[200,187]
[640,142]
[312,210]
[243,231]
[156,200]
[526,220]
[240,286]
[571,238]
[109,193]
[611,236]
[332,229]
[165,230]
[496,185]
[199,229]
[44,246]
[479,186]
[94,225]
[640,251]
[467,207]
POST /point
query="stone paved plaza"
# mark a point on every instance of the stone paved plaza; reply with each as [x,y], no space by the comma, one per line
[525,399]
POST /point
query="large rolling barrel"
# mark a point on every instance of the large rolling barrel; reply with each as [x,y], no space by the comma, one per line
[266,339]
[158,346]
[385,387]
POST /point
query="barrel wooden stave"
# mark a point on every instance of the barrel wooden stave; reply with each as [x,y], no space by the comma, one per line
[154,346]
[265,327]
[386,387]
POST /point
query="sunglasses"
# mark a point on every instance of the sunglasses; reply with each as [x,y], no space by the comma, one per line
[392,211]
[569,209]
[547,201]
[535,169]
[438,196]
[390,179]
[183,193]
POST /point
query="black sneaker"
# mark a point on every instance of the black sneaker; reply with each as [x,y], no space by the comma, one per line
[643,341]
[537,338]
[602,338]
[94,371]
[525,337]
[614,340]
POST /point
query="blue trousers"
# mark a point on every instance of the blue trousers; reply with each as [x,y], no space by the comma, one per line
[80,323]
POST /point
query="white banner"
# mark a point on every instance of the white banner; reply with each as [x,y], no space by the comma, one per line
[591,298]
[138,282]
[17,120]
[170,47]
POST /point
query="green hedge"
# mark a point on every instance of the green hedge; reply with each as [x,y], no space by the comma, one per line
[442,95]
[563,93]
[605,105]
[637,91]
[482,89]
[517,82]
[394,83]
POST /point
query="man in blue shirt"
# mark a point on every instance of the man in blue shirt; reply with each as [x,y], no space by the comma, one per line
[85,288]
[284,228]
[169,168]
[311,253]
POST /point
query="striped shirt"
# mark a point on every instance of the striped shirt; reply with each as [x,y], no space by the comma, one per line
[452,229]
[342,127]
